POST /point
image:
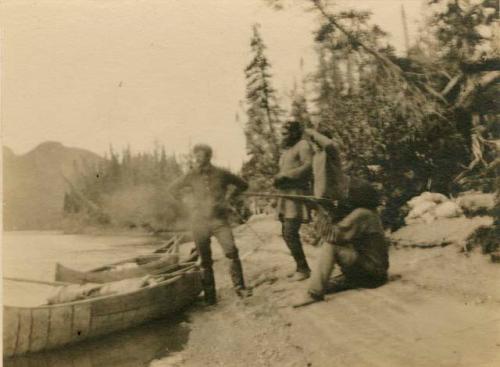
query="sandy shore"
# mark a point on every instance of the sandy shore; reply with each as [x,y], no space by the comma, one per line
[441,308]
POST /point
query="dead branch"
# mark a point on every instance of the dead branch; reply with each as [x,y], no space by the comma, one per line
[451,84]
[392,67]
[473,85]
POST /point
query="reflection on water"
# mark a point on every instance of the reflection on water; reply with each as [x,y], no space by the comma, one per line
[135,347]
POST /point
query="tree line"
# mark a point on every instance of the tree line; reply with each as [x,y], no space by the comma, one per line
[126,190]
[427,120]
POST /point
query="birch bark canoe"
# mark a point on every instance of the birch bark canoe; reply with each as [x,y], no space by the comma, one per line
[33,329]
[164,259]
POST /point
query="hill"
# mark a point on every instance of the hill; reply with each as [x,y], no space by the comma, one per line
[34,187]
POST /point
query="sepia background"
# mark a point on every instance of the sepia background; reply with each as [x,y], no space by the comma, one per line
[103,100]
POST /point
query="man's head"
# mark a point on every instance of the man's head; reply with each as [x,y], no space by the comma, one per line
[362,194]
[202,155]
[291,133]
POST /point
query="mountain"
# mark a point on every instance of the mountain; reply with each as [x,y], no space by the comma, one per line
[34,187]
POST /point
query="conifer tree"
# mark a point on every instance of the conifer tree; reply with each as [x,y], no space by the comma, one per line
[299,109]
[263,115]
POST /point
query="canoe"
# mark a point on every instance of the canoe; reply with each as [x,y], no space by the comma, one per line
[106,273]
[133,347]
[161,261]
[32,329]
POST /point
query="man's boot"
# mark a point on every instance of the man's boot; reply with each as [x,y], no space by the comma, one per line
[303,271]
[208,282]
[236,271]
[292,240]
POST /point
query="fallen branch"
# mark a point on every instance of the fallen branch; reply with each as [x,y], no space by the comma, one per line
[451,84]
[475,84]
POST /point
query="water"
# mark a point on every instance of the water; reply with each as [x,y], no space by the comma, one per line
[33,255]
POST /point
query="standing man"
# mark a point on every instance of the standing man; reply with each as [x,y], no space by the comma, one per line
[294,179]
[329,179]
[211,191]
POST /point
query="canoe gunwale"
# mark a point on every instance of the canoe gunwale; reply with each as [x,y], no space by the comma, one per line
[110,313]
[93,299]
[104,275]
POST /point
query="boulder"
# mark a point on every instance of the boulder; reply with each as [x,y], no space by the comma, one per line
[447,209]
[421,209]
[476,202]
[427,196]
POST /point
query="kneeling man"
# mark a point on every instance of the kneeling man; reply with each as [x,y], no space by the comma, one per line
[357,244]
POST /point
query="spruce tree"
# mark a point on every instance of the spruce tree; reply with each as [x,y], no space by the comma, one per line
[263,117]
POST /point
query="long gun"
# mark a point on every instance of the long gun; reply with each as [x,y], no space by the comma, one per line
[309,198]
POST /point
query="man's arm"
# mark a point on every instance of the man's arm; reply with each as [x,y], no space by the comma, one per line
[352,227]
[325,142]
[174,189]
[239,184]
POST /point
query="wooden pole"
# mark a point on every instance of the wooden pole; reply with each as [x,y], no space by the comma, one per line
[24,280]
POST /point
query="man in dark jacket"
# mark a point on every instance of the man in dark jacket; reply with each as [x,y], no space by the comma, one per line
[294,178]
[210,189]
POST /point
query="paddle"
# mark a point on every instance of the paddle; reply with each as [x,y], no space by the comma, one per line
[24,280]
[185,267]
[171,242]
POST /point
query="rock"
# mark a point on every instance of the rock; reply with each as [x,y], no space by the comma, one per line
[447,209]
[427,197]
[428,217]
[420,209]
[476,202]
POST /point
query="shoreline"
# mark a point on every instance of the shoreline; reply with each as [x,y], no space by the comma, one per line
[441,307]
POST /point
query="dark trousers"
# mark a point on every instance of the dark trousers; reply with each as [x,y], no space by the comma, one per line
[356,272]
[290,230]
[203,230]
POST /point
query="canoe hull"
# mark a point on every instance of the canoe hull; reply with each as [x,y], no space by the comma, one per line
[32,329]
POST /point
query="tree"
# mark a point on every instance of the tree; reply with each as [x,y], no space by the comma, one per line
[263,117]
[125,191]
[299,109]
[383,112]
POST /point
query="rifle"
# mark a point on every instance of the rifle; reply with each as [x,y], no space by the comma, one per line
[324,202]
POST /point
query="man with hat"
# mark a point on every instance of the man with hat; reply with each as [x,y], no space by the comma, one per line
[210,187]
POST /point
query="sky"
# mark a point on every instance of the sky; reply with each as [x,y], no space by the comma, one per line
[95,73]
